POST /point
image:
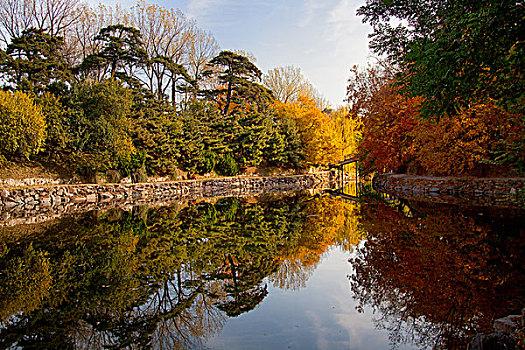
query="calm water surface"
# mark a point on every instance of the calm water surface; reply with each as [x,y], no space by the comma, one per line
[322,315]
[272,272]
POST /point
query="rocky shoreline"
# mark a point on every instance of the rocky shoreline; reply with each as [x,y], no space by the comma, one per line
[39,204]
[496,192]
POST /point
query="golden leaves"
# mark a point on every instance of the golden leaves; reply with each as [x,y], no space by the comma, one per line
[22,124]
[456,145]
[321,142]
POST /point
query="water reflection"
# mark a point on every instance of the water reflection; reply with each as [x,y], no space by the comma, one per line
[173,277]
[164,277]
[437,275]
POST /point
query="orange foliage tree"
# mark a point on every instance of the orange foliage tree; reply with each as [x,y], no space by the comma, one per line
[387,141]
[394,136]
[321,143]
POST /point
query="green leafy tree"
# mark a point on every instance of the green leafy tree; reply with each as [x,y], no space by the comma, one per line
[227,166]
[284,149]
[33,62]
[99,116]
[453,53]
[237,78]
[207,163]
[249,144]
[201,136]
[122,52]
[275,147]
[157,135]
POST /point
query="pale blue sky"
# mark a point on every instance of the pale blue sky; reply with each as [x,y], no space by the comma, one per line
[322,37]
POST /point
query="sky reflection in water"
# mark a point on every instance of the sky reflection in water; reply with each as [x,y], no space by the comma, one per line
[322,315]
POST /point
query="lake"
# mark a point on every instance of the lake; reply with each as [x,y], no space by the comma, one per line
[288,271]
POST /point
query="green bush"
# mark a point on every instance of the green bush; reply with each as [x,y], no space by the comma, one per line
[99,117]
[227,166]
[58,133]
[22,125]
[207,162]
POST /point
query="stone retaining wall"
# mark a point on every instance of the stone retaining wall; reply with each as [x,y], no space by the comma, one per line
[453,190]
[38,204]
[34,181]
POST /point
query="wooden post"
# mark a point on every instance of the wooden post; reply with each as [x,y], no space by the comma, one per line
[341,169]
[356,183]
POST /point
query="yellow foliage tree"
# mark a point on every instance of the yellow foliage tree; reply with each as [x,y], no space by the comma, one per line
[319,137]
[348,126]
[22,125]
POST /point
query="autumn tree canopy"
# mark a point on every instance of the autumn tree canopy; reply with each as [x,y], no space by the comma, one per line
[145,88]
[457,65]
[322,144]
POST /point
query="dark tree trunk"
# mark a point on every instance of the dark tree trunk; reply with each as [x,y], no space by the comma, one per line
[228,98]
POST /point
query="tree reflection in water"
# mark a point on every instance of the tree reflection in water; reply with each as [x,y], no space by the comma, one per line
[170,277]
[166,277]
[437,275]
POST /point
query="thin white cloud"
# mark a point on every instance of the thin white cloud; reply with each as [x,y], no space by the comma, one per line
[311,12]
[200,7]
[343,22]
[336,40]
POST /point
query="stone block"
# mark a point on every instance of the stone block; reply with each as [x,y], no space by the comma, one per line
[45,201]
[507,324]
[105,196]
